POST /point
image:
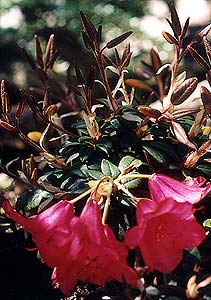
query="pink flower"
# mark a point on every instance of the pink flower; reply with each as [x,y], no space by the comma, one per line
[79,248]
[190,190]
[163,229]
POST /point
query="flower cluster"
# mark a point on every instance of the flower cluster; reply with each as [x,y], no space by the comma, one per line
[78,248]
[82,248]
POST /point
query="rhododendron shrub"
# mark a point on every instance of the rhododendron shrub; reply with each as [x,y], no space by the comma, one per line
[163,229]
[100,143]
[79,248]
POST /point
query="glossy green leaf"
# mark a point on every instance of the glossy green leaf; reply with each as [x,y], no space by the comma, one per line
[129,161]
[109,169]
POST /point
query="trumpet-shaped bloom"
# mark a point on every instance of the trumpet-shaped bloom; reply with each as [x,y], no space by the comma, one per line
[79,248]
[163,229]
[190,190]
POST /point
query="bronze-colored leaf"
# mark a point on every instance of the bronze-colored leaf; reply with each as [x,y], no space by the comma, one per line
[53,58]
[206,99]
[185,28]
[5,102]
[170,38]
[20,107]
[175,20]
[126,52]
[89,27]
[88,43]
[47,97]
[117,57]
[73,88]
[7,126]
[3,90]
[199,37]
[126,62]
[91,77]
[50,50]
[207,48]
[138,84]
[118,40]
[184,90]
[149,112]
[155,58]
[99,35]
[79,75]
[172,27]
[199,58]
[180,134]
[39,54]
[109,61]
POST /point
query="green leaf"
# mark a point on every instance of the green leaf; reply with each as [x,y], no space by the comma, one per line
[109,169]
[36,198]
[205,169]
[129,161]
[131,183]
[95,174]
[72,157]
[157,155]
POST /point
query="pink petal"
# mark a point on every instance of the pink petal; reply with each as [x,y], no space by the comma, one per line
[162,187]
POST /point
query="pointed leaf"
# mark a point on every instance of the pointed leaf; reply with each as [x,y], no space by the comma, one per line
[109,169]
[126,62]
[89,27]
[5,102]
[201,34]
[99,35]
[46,100]
[185,28]
[91,77]
[156,62]
[109,61]
[118,40]
[39,54]
[170,38]
[20,107]
[73,88]
[181,135]
[184,90]
[88,43]
[199,58]
[172,27]
[206,99]
[126,52]
[175,20]
[207,48]
[50,49]
[79,75]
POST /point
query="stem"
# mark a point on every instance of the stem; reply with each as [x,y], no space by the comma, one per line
[133,176]
[106,209]
[112,101]
[82,195]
